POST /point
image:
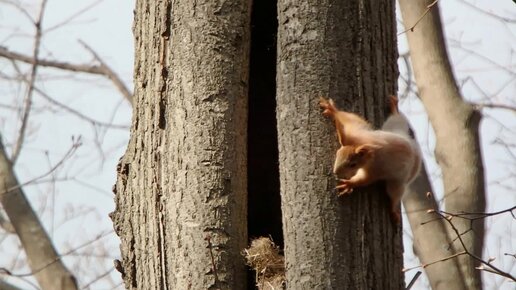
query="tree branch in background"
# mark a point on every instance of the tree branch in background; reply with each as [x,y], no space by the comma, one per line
[428,8]
[36,242]
[472,217]
[70,110]
[75,144]
[27,101]
[108,72]
[494,106]
[429,239]
[448,217]
[456,126]
[103,69]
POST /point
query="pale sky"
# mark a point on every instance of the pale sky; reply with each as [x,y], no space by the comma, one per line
[83,200]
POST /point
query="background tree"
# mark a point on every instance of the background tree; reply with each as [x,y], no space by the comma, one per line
[67,101]
[47,185]
[458,154]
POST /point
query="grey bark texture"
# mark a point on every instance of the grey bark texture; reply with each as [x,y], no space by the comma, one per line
[181,186]
[345,50]
[455,123]
[44,261]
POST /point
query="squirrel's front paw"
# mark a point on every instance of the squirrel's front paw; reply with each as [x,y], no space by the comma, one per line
[344,187]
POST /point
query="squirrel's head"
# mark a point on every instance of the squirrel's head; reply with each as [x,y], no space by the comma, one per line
[350,158]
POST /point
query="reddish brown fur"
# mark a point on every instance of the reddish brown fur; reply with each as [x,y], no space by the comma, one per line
[368,155]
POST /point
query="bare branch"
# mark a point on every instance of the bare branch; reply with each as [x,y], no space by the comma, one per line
[493,269]
[494,106]
[411,28]
[103,69]
[472,216]
[435,262]
[35,240]
[27,102]
[487,13]
[110,74]
[20,8]
[413,280]
[57,258]
[68,154]
[73,16]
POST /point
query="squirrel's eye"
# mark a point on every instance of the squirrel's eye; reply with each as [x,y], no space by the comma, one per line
[352,165]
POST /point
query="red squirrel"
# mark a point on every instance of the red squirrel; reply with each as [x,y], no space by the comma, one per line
[368,155]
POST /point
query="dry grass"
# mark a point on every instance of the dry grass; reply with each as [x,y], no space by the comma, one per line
[264,257]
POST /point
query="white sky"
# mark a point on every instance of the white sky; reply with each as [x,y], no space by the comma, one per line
[91,173]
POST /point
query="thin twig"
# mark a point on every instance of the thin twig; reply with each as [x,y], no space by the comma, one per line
[428,8]
[68,154]
[97,238]
[73,16]
[110,74]
[413,280]
[102,70]
[471,216]
[490,14]
[214,266]
[478,215]
[494,106]
[27,102]
[435,262]
[96,279]
[492,268]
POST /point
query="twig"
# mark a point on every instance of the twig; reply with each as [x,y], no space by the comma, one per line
[512,255]
[413,280]
[110,74]
[45,96]
[472,216]
[435,262]
[494,106]
[84,68]
[96,279]
[497,17]
[214,266]
[428,8]
[492,268]
[68,154]
[73,16]
[27,102]
[97,238]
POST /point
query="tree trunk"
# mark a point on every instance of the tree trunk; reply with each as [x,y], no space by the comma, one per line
[345,50]
[455,123]
[181,187]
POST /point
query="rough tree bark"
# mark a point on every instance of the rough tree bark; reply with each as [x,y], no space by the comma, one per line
[182,179]
[345,50]
[455,123]
[44,261]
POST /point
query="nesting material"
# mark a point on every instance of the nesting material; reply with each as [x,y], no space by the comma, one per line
[264,257]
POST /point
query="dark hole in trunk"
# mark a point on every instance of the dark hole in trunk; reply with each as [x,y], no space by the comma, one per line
[264,208]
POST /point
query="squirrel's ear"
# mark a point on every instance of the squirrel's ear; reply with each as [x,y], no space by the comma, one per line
[366,149]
